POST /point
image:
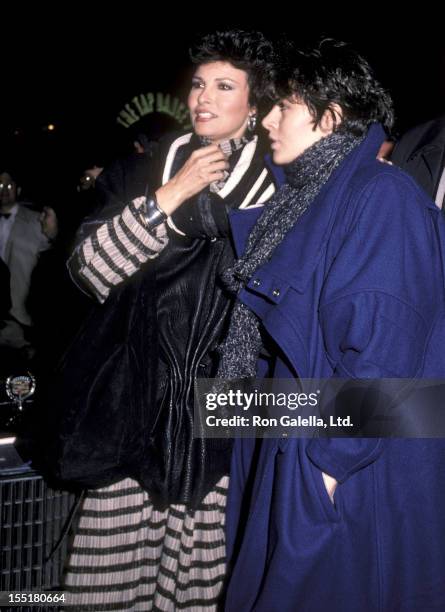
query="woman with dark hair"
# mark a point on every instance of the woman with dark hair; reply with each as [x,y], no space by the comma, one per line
[150,534]
[342,276]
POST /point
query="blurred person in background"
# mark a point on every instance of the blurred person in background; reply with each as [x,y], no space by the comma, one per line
[24,235]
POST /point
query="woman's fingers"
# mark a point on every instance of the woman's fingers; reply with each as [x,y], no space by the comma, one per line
[202,171]
[204,166]
[218,166]
[208,150]
[211,158]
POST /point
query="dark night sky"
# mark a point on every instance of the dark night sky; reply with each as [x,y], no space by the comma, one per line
[76,70]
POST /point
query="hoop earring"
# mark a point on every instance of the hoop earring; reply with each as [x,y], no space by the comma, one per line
[251,122]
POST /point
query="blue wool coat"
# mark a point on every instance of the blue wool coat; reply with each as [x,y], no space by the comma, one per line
[360,282]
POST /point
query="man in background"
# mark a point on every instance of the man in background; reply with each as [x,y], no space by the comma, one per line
[24,234]
[421,153]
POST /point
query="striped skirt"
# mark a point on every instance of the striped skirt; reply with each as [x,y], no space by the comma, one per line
[128,556]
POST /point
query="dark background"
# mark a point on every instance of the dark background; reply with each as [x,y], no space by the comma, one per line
[75,68]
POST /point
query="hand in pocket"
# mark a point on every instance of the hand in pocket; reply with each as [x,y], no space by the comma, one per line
[330,484]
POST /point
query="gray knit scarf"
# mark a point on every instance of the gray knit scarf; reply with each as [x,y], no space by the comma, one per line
[305,177]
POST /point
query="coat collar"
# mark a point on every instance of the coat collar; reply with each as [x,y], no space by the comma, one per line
[301,249]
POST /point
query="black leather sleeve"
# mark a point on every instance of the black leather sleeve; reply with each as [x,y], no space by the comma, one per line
[203,216]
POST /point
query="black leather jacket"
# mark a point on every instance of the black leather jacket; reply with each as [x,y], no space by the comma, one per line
[127,382]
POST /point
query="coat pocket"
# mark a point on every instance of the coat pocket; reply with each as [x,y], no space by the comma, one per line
[332,511]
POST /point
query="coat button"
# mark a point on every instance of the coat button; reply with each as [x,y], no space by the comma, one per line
[276,292]
[256,282]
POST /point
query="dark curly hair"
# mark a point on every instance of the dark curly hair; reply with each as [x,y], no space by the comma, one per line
[248,51]
[333,73]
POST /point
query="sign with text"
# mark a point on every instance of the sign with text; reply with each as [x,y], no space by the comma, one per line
[147,103]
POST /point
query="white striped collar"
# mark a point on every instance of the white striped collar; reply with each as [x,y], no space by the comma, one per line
[240,168]
[179,142]
[234,179]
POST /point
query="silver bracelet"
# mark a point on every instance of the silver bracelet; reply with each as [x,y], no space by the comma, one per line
[152,214]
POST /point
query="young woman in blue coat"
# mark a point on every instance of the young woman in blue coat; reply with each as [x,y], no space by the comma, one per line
[341,275]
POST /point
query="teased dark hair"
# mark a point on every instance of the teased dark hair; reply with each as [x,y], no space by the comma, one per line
[12,172]
[333,73]
[249,51]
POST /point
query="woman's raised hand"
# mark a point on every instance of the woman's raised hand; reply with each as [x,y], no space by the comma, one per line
[202,168]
